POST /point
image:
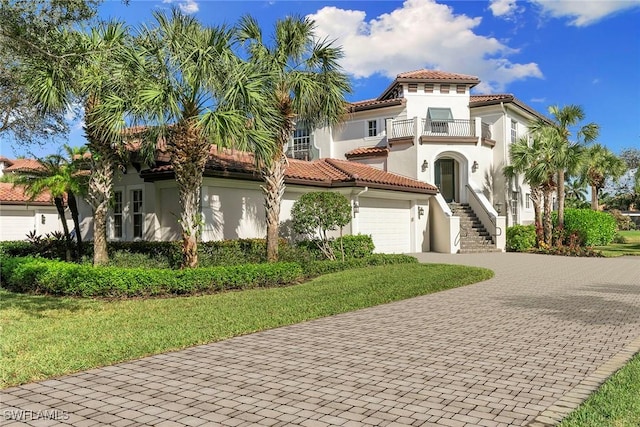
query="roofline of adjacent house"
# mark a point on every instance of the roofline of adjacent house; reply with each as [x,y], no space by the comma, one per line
[169,174]
[24,203]
[510,99]
[382,104]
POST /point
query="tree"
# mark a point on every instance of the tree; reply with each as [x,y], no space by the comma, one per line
[314,214]
[195,93]
[307,88]
[568,151]
[535,161]
[600,164]
[24,26]
[575,194]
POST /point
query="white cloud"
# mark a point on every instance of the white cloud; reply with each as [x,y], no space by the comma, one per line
[539,100]
[186,6]
[584,12]
[420,34]
[502,7]
[595,81]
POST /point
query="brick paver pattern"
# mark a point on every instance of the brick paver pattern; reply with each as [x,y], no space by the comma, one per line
[496,353]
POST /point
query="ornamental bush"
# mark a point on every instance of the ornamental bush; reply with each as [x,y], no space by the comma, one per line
[593,228]
[521,238]
[318,268]
[38,275]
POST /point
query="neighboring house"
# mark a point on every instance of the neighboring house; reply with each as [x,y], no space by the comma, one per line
[18,214]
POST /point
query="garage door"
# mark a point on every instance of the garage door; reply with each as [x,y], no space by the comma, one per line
[388,222]
[14,224]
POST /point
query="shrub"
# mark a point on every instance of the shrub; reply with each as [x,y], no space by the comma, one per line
[619,238]
[521,238]
[358,246]
[577,251]
[623,222]
[592,227]
[39,275]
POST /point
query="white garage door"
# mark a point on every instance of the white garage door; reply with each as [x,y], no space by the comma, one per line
[14,224]
[388,222]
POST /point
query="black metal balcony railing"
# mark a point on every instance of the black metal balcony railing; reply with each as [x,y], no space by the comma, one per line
[402,128]
[449,127]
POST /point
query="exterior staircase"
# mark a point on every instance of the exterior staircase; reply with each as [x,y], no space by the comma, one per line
[474,238]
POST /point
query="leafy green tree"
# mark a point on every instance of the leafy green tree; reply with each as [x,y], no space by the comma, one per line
[195,93]
[568,147]
[600,164]
[315,214]
[307,88]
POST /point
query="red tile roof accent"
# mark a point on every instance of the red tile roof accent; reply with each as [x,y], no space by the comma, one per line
[370,104]
[497,98]
[24,165]
[437,75]
[10,194]
[323,172]
[368,152]
[6,160]
[491,97]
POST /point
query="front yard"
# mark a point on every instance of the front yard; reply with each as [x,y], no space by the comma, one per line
[630,247]
[44,336]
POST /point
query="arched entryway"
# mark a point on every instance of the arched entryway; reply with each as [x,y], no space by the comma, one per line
[450,176]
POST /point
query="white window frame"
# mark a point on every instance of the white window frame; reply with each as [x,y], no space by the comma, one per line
[133,213]
[121,214]
[527,198]
[301,138]
[369,128]
[514,131]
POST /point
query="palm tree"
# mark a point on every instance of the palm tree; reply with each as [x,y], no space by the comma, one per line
[568,152]
[196,93]
[534,160]
[87,68]
[600,164]
[575,192]
[307,87]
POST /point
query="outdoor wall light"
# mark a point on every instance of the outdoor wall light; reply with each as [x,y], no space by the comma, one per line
[43,219]
[425,166]
[420,211]
[356,207]
[498,207]
[474,166]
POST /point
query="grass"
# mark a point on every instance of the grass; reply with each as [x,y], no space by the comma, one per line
[615,404]
[631,247]
[44,337]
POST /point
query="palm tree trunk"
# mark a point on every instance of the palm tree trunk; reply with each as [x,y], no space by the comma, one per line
[537,199]
[594,198]
[73,207]
[561,199]
[65,227]
[273,191]
[189,155]
[100,193]
[547,223]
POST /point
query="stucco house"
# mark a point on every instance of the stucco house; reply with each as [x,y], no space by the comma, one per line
[421,165]
[19,214]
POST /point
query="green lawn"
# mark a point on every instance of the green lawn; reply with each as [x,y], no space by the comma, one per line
[43,337]
[615,404]
[631,247]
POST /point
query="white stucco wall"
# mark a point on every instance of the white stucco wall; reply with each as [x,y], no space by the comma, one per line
[18,220]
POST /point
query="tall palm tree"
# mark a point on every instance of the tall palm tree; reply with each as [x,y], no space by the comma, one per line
[600,164]
[307,87]
[85,67]
[534,160]
[575,190]
[196,93]
[567,146]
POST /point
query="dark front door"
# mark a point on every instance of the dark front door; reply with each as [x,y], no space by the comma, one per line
[445,178]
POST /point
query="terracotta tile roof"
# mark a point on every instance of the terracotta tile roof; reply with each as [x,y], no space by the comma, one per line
[370,104]
[436,75]
[24,165]
[497,98]
[13,195]
[6,160]
[491,97]
[321,172]
[368,152]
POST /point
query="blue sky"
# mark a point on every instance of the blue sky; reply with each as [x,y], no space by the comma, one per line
[544,52]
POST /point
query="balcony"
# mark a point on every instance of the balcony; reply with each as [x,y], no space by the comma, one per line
[439,131]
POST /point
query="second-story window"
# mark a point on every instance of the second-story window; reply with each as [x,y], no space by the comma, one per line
[514,130]
[136,199]
[438,120]
[117,214]
[372,128]
[301,144]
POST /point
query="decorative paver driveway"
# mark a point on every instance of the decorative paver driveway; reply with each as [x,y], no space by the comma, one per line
[519,348]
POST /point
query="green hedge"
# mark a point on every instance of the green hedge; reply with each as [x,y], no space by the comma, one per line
[39,275]
[593,228]
[521,238]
